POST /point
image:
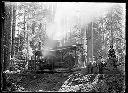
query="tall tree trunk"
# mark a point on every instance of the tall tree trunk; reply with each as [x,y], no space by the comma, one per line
[92,41]
[13,30]
[18,41]
[6,35]
[85,46]
[111,30]
[24,31]
[2,39]
[89,41]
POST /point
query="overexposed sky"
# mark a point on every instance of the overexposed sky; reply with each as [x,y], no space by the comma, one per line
[71,13]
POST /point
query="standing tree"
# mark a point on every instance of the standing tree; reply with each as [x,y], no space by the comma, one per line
[6,35]
[115,24]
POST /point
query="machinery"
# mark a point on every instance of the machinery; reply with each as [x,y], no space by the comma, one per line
[60,57]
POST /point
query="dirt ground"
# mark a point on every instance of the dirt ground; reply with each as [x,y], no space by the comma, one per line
[44,81]
[54,81]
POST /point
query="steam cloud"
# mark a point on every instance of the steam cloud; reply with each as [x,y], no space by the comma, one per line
[72,13]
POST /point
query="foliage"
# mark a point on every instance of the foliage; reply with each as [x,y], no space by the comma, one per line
[93,83]
[112,21]
[32,19]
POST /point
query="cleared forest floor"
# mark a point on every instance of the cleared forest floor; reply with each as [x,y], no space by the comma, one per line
[78,81]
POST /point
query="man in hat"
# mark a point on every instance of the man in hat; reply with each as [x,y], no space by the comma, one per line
[100,65]
[112,55]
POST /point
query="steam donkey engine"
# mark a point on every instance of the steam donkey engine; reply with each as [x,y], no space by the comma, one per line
[60,57]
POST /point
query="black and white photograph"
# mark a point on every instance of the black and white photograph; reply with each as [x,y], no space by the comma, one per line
[63,47]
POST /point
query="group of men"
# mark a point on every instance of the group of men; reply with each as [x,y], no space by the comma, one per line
[100,64]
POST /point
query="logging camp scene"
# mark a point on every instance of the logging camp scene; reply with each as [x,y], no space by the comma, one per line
[63,47]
